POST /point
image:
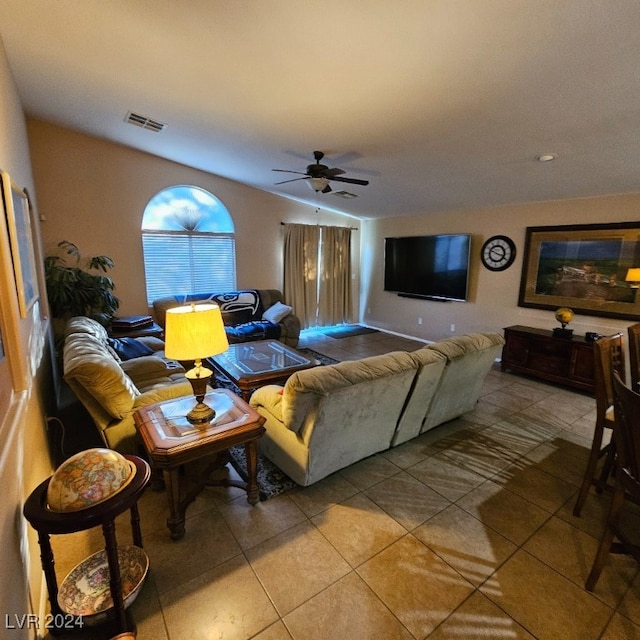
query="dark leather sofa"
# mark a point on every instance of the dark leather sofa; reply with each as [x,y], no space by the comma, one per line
[242,314]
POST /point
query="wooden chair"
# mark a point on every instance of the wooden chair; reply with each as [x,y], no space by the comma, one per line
[608,354]
[634,355]
[627,478]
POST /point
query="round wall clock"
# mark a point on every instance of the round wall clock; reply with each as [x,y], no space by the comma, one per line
[498,253]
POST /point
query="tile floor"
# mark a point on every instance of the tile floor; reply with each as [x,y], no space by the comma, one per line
[464,532]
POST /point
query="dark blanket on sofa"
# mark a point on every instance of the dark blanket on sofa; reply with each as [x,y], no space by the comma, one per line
[259,330]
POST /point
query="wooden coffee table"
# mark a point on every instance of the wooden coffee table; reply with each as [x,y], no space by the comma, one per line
[172,442]
[250,365]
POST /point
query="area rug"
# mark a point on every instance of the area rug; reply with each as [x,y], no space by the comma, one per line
[310,353]
[348,331]
[272,481]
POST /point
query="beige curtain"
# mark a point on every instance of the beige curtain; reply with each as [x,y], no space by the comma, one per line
[317,277]
[334,294]
[301,243]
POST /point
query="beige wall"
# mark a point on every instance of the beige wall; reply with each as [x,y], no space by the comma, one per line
[493,295]
[24,453]
[93,193]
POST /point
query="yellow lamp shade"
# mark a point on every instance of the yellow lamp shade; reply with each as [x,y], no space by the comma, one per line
[193,332]
[633,274]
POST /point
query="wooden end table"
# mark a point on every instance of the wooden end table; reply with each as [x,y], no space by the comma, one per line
[172,442]
[152,329]
[47,522]
[254,364]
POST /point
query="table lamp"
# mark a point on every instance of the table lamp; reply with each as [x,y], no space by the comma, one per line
[633,277]
[194,332]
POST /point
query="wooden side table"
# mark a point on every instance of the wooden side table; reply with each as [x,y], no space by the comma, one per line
[171,442]
[47,522]
[152,329]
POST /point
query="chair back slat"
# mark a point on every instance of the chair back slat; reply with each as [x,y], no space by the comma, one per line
[608,354]
[634,355]
[627,428]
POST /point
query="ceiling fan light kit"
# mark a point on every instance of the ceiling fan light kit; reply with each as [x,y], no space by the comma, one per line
[319,175]
[319,184]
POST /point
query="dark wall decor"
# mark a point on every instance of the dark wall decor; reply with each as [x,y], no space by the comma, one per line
[582,267]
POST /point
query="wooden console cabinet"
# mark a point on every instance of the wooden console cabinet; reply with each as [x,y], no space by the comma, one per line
[537,353]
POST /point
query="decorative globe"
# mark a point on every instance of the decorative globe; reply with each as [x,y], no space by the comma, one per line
[564,316]
[88,478]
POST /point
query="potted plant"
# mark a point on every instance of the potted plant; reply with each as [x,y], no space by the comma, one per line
[80,288]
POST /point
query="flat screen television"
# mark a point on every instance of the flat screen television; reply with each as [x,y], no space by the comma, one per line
[431,267]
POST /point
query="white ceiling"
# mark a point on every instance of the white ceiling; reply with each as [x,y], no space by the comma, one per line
[440,104]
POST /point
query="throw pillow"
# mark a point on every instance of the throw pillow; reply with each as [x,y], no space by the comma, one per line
[277,312]
[128,348]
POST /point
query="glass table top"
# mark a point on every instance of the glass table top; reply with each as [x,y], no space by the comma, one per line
[255,358]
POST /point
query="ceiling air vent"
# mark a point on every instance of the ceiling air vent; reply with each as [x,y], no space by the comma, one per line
[144,122]
[344,194]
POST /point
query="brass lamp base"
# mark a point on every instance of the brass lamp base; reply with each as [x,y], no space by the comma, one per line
[202,414]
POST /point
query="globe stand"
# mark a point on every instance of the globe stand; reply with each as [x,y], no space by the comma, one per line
[561,332]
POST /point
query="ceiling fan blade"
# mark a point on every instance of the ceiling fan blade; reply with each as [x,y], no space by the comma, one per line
[302,173]
[292,180]
[350,180]
[329,173]
[327,189]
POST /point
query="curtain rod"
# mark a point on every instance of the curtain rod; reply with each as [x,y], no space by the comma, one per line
[317,225]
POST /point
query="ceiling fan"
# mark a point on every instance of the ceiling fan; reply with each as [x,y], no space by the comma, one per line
[318,175]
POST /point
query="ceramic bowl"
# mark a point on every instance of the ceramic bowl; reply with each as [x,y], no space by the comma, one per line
[88,478]
[85,591]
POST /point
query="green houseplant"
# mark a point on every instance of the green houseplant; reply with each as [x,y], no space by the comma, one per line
[81,288]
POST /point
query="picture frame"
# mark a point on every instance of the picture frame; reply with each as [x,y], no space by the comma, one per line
[13,374]
[16,206]
[582,267]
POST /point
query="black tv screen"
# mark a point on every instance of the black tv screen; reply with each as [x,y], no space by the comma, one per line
[432,267]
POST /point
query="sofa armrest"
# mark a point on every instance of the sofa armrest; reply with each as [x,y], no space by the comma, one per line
[290,327]
[163,393]
[155,344]
[146,367]
[269,397]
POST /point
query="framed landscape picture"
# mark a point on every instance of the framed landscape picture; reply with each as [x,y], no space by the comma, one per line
[13,376]
[582,267]
[17,214]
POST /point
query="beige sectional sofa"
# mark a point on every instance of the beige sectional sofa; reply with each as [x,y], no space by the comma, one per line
[112,389]
[329,417]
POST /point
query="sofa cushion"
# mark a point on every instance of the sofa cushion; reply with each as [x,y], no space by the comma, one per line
[277,312]
[148,371]
[459,346]
[128,348]
[303,388]
[237,307]
[85,326]
[88,362]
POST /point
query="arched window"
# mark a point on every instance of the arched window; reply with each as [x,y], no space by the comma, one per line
[188,243]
